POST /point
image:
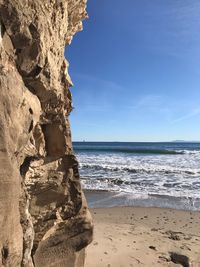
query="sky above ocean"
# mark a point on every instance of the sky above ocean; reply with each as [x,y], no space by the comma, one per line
[136,71]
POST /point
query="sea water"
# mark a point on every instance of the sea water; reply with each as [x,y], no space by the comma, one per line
[148,174]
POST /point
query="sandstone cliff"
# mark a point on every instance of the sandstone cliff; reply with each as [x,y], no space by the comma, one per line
[44,219]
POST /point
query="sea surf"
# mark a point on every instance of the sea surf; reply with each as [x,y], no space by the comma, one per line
[163,174]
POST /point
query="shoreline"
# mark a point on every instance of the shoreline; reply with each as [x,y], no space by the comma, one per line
[140,236]
[107,199]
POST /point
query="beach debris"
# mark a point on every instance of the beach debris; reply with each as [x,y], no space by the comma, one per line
[164,258]
[4,254]
[173,235]
[179,259]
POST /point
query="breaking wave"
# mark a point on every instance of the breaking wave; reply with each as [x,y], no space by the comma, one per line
[139,170]
[132,151]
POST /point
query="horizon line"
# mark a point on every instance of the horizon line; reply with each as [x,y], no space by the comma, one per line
[172,141]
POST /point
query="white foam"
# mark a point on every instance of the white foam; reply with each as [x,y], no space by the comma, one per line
[175,175]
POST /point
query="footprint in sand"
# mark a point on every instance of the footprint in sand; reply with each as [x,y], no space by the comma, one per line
[152,247]
[185,247]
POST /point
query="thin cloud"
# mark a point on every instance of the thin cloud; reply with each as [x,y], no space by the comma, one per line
[96,80]
[148,102]
[189,115]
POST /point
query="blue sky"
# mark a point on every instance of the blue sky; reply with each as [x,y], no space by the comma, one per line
[136,71]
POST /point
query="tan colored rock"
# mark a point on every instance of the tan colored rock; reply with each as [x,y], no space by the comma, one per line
[44,217]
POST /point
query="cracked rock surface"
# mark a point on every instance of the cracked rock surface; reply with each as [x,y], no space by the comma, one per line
[44,218]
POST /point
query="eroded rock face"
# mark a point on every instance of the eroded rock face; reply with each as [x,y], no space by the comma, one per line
[44,217]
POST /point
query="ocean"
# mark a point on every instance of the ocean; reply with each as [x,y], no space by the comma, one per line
[163,174]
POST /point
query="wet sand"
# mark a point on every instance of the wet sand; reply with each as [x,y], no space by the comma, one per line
[104,199]
[135,236]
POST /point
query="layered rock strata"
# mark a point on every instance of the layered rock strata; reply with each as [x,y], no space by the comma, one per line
[44,217]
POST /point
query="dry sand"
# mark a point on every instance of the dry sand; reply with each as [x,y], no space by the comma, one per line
[132,236]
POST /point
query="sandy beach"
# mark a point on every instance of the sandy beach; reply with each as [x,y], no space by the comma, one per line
[135,236]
